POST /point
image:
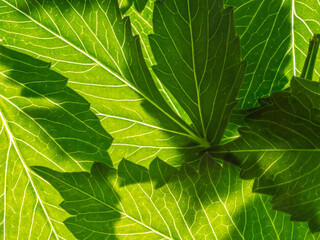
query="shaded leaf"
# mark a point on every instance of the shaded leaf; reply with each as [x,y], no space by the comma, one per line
[90,43]
[42,122]
[280,150]
[166,203]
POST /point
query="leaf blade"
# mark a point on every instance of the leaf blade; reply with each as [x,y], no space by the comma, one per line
[188,51]
[38,113]
[277,54]
[168,203]
[279,149]
[96,75]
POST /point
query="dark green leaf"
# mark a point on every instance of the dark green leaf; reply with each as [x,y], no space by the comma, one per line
[280,149]
[198,60]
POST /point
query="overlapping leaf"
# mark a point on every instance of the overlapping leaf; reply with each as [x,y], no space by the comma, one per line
[280,149]
[126,4]
[103,62]
[274,40]
[142,25]
[42,122]
[198,61]
[164,203]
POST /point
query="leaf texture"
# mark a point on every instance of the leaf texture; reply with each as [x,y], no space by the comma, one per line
[166,203]
[142,25]
[103,62]
[42,122]
[280,150]
[274,41]
[198,58]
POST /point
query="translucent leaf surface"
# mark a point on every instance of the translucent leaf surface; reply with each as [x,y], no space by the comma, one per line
[280,150]
[90,43]
[274,37]
[42,122]
[164,203]
[198,58]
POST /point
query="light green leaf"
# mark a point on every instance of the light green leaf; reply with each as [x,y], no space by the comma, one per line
[198,58]
[280,149]
[164,203]
[42,122]
[103,62]
[274,41]
[93,46]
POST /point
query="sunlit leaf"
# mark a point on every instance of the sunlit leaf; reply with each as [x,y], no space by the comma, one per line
[42,122]
[274,41]
[164,203]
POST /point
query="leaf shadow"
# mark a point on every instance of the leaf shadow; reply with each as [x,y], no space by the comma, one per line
[58,115]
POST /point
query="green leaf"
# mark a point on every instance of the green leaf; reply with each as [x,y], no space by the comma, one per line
[126,4]
[104,62]
[280,149]
[42,122]
[274,41]
[308,68]
[164,203]
[142,25]
[140,4]
[198,58]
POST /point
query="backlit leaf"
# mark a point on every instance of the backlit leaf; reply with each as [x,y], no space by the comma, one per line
[164,203]
[42,122]
[280,149]
[274,41]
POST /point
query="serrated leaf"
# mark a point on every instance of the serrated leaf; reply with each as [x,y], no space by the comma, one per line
[164,203]
[42,122]
[102,60]
[280,149]
[142,25]
[198,58]
[91,44]
[274,41]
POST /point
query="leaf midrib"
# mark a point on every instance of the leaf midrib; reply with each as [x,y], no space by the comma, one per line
[186,127]
[12,141]
[194,71]
[104,203]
